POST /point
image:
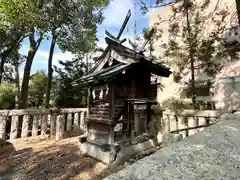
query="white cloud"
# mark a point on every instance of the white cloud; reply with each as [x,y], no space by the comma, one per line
[56,56]
[116,12]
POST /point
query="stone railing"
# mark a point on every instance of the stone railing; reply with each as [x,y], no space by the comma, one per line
[33,122]
[186,123]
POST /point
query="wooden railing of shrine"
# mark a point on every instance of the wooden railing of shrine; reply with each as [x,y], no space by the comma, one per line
[34,122]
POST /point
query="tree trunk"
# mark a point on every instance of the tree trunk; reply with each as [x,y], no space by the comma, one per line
[238,10]
[23,100]
[3,60]
[50,71]
[17,81]
[191,53]
[25,82]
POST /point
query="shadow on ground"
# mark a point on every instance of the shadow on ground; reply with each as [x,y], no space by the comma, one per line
[48,160]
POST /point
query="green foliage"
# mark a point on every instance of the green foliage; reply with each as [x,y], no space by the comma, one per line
[20,13]
[190,42]
[7,96]
[67,95]
[37,89]
[175,105]
[75,23]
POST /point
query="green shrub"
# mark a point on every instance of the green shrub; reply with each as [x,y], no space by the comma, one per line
[7,96]
[175,105]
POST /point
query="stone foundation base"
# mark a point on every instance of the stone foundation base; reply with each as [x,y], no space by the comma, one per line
[96,152]
[113,156]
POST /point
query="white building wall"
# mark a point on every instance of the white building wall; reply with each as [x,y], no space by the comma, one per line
[160,19]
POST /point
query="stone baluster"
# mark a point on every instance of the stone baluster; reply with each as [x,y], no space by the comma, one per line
[187,125]
[3,124]
[82,123]
[53,119]
[76,121]
[25,126]
[14,127]
[192,123]
[60,125]
[44,124]
[173,122]
[166,123]
[35,125]
[182,125]
[202,122]
[69,122]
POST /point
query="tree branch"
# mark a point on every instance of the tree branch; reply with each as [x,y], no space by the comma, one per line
[163,5]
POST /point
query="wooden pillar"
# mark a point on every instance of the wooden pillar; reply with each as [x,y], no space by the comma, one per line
[137,122]
[132,127]
[14,127]
[89,100]
[35,125]
[3,124]
[60,127]
[149,114]
[44,124]
[25,126]
[111,135]
[53,119]
[125,117]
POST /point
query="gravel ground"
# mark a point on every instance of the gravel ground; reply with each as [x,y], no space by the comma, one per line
[212,154]
[46,159]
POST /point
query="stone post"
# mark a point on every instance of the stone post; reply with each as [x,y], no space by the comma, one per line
[35,125]
[82,116]
[69,122]
[76,121]
[166,123]
[25,126]
[192,123]
[60,127]
[3,124]
[53,120]
[14,127]
[44,124]
[173,122]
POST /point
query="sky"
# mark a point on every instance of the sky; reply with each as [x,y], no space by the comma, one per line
[114,15]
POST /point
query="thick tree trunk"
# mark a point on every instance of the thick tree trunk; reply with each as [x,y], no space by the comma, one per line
[24,90]
[50,71]
[23,100]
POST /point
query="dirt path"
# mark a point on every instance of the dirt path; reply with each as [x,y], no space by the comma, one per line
[46,159]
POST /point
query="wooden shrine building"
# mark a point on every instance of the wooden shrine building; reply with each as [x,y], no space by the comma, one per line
[119,82]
